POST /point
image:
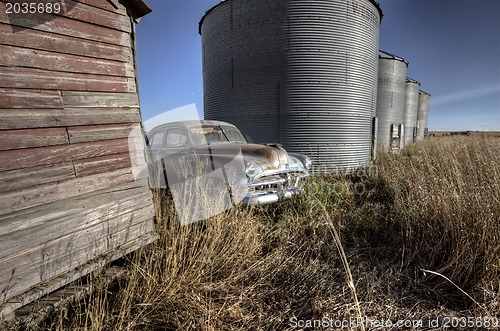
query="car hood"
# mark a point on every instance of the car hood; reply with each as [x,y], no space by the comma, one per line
[266,156]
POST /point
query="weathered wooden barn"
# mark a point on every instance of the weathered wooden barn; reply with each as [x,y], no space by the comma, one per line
[71,198]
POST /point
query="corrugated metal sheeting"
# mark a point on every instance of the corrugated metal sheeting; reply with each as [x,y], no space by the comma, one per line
[411,110]
[424,100]
[331,81]
[303,73]
[391,101]
[244,65]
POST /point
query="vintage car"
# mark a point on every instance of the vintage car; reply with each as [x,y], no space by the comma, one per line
[261,173]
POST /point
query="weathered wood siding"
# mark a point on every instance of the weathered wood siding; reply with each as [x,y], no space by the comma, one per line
[68,106]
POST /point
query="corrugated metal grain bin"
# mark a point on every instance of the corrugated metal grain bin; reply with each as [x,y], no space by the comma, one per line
[424,100]
[302,73]
[244,65]
[391,101]
[411,110]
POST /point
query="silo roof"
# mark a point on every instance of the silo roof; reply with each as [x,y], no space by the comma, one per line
[423,92]
[389,56]
[375,3]
[410,80]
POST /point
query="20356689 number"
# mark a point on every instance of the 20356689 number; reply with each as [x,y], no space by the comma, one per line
[32,8]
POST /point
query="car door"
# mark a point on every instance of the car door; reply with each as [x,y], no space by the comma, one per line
[174,154]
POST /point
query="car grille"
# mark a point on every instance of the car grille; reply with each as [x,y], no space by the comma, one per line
[274,181]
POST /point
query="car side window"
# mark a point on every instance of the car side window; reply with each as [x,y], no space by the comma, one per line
[176,138]
[156,140]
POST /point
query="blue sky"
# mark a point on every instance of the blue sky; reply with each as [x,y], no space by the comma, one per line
[453,47]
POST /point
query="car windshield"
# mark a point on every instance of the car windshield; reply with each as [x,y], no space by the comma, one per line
[213,134]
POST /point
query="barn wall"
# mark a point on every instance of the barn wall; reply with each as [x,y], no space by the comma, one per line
[68,104]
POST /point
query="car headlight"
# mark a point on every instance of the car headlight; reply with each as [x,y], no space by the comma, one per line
[307,162]
[249,169]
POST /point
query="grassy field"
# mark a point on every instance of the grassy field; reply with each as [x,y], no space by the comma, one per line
[414,238]
[488,134]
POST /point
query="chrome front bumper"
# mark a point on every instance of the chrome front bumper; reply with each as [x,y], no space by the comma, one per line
[273,190]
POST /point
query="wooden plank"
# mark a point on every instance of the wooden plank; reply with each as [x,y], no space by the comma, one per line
[101,164]
[29,177]
[65,254]
[64,26]
[25,241]
[107,5]
[90,14]
[34,196]
[15,56]
[28,138]
[33,315]
[82,12]
[39,118]
[79,134]
[30,78]
[72,206]
[27,158]
[97,236]
[14,98]
[63,44]
[95,240]
[103,210]
[43,288]
[92,99]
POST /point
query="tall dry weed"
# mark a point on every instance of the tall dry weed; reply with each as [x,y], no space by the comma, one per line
[447,203]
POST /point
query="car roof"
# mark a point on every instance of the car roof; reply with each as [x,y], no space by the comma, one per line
[189,123]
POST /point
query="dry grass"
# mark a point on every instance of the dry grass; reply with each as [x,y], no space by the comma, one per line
[447,201]
[436,207]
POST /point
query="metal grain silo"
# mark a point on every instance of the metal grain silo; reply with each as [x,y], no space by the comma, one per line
[243,44]
[424,100]
[391,101]
[411,110]
[302,73]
